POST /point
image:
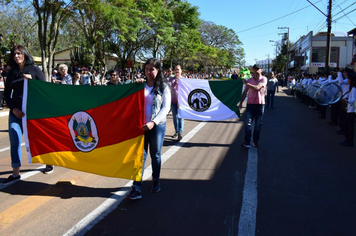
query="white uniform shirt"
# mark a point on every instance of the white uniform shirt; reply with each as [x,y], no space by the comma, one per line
[351,100]
[344,84]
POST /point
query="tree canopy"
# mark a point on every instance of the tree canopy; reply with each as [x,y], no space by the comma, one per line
[169,30]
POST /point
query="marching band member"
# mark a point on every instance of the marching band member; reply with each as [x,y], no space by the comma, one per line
[322,80]
[350,116]
[343,82]
[334,110]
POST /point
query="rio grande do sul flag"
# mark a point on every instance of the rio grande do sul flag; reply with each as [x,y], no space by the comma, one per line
[95,129]
[209,100]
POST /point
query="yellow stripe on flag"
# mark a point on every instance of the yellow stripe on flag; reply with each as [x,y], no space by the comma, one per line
[122,160]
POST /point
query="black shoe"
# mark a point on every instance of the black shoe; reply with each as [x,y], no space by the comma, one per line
[180,136]
[48,169]
[11,179]
[246,145]
[175,135]
[346,144]
[156,186]
[135,194]
[255,143]
[332,123]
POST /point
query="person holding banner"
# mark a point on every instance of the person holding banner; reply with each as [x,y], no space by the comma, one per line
[22,67]
[157,106]
[255,87]
[177,122]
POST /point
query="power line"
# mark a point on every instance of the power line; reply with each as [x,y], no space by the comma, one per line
[344,9]
[275,19]
[346,15]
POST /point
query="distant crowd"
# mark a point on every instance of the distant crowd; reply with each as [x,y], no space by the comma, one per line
[82,75]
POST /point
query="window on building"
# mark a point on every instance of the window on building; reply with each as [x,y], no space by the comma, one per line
[306,57]
[319,55]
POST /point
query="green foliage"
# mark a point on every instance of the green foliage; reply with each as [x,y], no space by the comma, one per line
[132,29]
[281,60]
[227,51]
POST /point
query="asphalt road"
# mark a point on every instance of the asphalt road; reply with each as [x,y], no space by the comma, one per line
[305,185]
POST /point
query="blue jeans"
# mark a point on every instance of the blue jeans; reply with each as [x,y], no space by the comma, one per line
[177,122]
[15,134]
[154,141]
[270,94]
[254,112]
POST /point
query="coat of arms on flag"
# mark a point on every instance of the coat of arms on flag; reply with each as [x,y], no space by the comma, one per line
[83,131]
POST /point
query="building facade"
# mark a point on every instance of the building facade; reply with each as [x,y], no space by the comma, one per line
[308,54]
[352,33]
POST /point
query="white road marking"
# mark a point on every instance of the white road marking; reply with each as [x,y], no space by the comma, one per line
[4,113]
[8,148]
[247,222]
[111,203]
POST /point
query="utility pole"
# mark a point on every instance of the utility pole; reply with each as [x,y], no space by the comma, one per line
[268,63]
[286,37]
[328,38]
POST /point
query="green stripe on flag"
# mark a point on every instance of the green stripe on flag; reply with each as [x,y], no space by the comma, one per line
[228,92]
[46,100]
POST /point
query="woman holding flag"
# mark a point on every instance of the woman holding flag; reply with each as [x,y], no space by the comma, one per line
[22,67]
[157,106]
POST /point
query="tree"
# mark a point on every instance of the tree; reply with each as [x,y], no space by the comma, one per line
[104,23]
[229,51]
[130,39]
[50,15]
[185,40]
[281,59]
[18,26]
[80,55]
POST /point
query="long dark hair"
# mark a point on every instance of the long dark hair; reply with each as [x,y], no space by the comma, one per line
[28,58]
[160,81]
[352,82]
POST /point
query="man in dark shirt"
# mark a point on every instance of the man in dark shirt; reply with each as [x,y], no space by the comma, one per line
[234,75]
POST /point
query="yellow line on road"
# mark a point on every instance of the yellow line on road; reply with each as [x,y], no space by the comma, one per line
[27,205]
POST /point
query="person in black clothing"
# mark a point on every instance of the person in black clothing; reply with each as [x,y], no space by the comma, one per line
[22,67]
[5,72]
[113,78]
[234,75]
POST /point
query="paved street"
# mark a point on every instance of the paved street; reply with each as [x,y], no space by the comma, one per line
[305,185]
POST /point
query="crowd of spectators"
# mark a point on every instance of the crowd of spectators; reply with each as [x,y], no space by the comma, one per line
[84,75]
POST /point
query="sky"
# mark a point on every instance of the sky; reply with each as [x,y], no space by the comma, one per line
[257,22]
